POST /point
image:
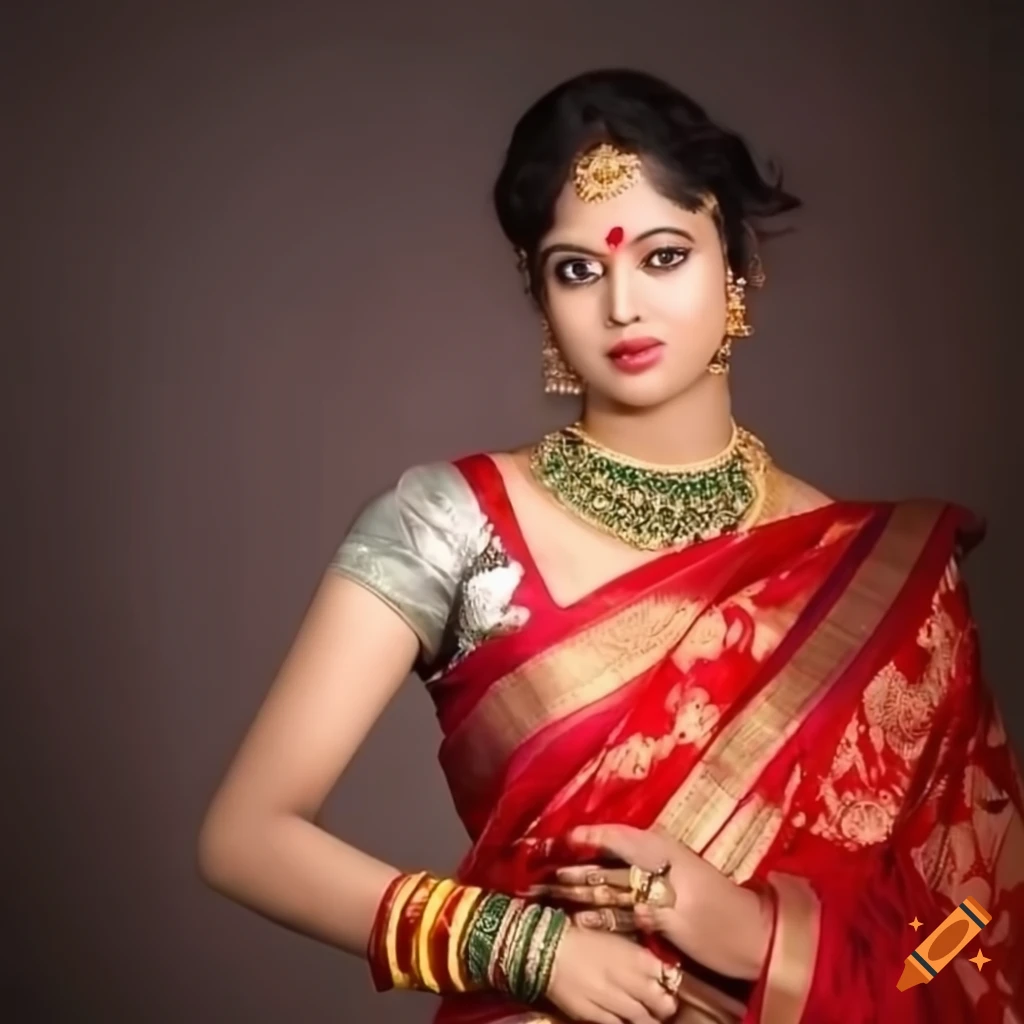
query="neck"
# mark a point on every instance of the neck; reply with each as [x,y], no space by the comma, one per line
[691,427]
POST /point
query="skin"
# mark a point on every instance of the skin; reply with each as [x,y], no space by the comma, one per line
[666,279]
[260,843]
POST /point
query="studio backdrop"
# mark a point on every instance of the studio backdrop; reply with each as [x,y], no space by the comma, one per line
[254,274]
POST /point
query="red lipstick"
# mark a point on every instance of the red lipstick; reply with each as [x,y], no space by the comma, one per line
[633,355]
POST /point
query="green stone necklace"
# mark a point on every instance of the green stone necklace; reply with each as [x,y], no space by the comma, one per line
[650,506]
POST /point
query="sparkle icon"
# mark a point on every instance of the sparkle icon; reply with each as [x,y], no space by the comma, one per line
[915,924]
[980,959]
[962,925]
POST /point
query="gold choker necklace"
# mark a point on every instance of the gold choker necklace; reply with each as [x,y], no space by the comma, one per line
[650,506]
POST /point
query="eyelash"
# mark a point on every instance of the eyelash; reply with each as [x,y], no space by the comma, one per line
[677,253]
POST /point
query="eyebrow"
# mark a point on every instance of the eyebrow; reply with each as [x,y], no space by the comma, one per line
[567,248]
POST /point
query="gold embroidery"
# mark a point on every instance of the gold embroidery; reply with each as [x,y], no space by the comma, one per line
[938,636]
[694,719]
[849,756]
[695,715]
[855,818]
[738,849]
[740,750]
[588,666]
[631,759]
[704,642]
[712,635]
[899,714]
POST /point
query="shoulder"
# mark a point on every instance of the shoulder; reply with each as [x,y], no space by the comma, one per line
[791,496]
[947,524]
[427,504]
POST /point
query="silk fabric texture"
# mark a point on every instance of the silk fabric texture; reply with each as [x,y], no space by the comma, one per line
[801,704]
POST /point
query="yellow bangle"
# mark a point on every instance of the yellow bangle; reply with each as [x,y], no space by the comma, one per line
[435,901]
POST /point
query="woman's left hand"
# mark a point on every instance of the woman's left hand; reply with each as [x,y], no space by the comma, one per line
[702,913]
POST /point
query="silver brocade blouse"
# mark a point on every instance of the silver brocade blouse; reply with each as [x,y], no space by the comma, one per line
[427,549]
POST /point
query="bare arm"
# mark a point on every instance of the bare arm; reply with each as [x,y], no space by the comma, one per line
[260,844]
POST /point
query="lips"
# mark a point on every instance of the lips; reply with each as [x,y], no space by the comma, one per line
[632,346]
[636,355]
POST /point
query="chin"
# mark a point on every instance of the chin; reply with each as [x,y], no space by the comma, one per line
[647,390]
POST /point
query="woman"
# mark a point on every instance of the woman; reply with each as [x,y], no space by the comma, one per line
[720,742]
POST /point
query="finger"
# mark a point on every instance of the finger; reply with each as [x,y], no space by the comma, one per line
[590,874]
[627,1007]
[652,919]
[594,1014]
[590,896]
[660,1004]
[652,992]
[606,919]
[625,843]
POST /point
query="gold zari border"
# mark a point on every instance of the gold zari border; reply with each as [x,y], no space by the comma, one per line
[574,674]
[740,752]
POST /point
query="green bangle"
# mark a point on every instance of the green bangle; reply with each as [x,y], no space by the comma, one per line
[481,934]
[533,953]
[552,939]
[518,985]
[499,950]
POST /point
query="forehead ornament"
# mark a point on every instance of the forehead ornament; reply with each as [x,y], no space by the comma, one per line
[603,172]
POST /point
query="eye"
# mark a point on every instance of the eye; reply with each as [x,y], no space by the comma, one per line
[578,271]
[666,258]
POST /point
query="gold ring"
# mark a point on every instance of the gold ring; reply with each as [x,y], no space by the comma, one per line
[642,880]
[660,893]
[639,882]
[671,979]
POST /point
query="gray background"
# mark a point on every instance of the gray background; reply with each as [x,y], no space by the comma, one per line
[254,274]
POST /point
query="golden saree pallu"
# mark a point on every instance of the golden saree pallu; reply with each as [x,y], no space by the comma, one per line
[436,935]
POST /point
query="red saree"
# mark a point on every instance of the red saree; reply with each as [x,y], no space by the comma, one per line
[800,705]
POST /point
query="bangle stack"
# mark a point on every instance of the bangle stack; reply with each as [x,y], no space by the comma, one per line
[439,936]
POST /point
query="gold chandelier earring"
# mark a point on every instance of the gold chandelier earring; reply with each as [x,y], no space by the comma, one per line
[736,323]
[559,376]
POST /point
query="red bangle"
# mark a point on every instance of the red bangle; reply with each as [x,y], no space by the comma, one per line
[408,925]
[376,946]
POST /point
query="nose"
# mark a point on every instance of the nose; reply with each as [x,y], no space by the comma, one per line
[621,301]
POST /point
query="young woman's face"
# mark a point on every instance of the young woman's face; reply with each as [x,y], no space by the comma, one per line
[640,273]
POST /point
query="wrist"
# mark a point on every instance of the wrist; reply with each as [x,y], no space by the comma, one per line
[436,935]
[742,922]
[511,946]
[752,924]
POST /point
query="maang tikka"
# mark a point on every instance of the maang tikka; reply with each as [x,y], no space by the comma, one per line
[604,172]
[599,173]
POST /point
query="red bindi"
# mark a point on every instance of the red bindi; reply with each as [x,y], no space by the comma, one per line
[614,237]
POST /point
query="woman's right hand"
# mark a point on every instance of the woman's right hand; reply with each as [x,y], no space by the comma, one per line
[607,979]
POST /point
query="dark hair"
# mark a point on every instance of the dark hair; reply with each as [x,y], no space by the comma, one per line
[687,156]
